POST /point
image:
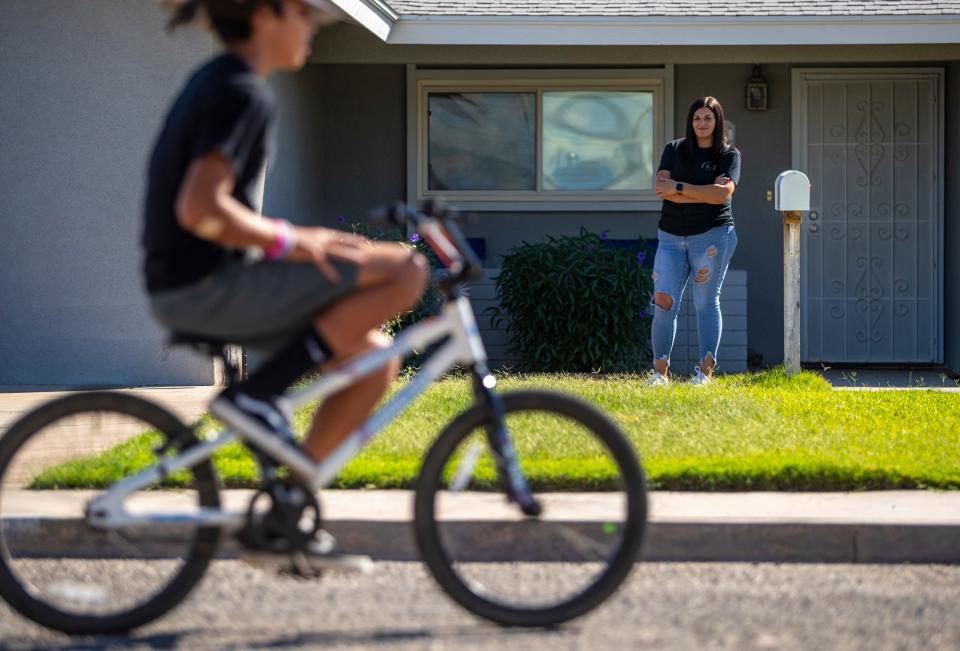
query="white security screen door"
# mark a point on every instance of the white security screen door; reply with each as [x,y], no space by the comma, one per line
[871,278]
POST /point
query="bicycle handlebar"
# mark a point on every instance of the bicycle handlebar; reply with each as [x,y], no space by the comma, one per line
[437,223]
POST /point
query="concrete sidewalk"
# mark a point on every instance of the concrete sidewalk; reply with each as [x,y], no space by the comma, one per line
[186,402]
[868,527]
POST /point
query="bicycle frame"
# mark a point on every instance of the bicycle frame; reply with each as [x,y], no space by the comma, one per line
[456,323]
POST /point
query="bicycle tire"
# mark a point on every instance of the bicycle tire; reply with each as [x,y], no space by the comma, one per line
[620,564]
[25,598]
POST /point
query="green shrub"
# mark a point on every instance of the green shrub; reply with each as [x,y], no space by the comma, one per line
[576,304]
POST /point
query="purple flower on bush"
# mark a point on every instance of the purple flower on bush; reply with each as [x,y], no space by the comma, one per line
[603,235]
[415,238]
[341,220]
[643,314]
[641,256]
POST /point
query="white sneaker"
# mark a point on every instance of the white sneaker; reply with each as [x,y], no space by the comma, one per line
[699,379]
[657,380]
[244,412]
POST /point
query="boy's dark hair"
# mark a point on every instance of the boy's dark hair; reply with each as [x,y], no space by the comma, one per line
[230,19]
[720,143]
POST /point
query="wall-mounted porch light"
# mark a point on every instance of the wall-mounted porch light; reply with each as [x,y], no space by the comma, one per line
[757,91]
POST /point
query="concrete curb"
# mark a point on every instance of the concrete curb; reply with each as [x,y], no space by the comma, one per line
[665,541]
[727,542]
[880,527]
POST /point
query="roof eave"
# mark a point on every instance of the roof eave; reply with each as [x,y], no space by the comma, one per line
[675,30]
[375,15]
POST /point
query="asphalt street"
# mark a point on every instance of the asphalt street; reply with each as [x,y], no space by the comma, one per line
[662,606]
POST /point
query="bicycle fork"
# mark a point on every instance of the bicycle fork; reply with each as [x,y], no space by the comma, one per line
[504,453]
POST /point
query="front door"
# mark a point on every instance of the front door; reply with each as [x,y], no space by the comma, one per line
[870,288]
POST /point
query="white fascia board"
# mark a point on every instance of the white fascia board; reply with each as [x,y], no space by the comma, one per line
[679,30]
[375,15]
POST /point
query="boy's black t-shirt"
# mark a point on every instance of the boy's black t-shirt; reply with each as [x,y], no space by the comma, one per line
[686,219]
[224,107]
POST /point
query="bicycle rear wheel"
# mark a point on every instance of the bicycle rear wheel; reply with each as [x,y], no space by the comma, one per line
[61,572]
[532,571]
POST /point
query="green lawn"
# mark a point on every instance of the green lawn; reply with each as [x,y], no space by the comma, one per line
[745,432]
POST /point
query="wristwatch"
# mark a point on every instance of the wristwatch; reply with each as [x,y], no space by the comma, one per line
[679,187]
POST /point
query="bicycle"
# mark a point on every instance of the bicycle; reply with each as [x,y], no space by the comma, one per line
[491,447]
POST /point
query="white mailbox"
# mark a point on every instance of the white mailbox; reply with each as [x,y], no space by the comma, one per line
[793,192]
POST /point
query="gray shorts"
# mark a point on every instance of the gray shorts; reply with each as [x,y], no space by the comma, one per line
[260,306]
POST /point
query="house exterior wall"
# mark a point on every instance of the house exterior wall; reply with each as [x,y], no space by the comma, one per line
[763,137]
[951,235]
[293,188]
[341,141]
[84,86]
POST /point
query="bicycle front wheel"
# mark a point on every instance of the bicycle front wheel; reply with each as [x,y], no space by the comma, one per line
[61,572]
[532,571]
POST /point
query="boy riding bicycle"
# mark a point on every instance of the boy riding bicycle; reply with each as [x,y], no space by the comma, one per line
[318,296]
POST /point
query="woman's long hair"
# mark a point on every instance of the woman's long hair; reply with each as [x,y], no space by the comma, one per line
[720,143]
[230,19]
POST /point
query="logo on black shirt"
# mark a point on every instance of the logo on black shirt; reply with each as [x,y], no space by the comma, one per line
[708,166]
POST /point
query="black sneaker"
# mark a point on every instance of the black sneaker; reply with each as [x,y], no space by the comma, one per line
[266,415]
[320,555]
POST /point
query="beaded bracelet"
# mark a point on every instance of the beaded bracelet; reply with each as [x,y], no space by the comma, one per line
[284,242]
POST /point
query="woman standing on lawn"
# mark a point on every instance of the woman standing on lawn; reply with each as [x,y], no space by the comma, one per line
[696,179]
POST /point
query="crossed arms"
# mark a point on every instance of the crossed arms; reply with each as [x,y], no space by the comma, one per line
[717,193]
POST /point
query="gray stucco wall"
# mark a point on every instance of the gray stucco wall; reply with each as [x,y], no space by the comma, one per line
[84,85]
[293,188]
[951,271]
[341,143]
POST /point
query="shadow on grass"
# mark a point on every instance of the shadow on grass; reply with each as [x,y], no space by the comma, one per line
[817,478]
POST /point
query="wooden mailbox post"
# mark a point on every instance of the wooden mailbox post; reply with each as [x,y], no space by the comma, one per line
[792,199]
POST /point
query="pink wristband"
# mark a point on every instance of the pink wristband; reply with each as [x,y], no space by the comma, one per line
[283,243]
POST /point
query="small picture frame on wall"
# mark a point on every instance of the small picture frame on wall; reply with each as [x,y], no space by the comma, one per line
[756,96]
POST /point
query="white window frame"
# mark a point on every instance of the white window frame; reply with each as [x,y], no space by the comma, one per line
[421,82]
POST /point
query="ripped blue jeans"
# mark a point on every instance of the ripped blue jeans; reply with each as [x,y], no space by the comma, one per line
[704,258]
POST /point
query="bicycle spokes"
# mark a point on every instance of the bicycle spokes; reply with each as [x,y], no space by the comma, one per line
[80,576]
[499,550]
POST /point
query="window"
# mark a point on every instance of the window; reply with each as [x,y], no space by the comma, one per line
[597,140]
[481,141]
[570,139]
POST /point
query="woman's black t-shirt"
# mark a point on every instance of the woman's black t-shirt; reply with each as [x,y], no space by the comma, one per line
[685,219]
[227,108]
